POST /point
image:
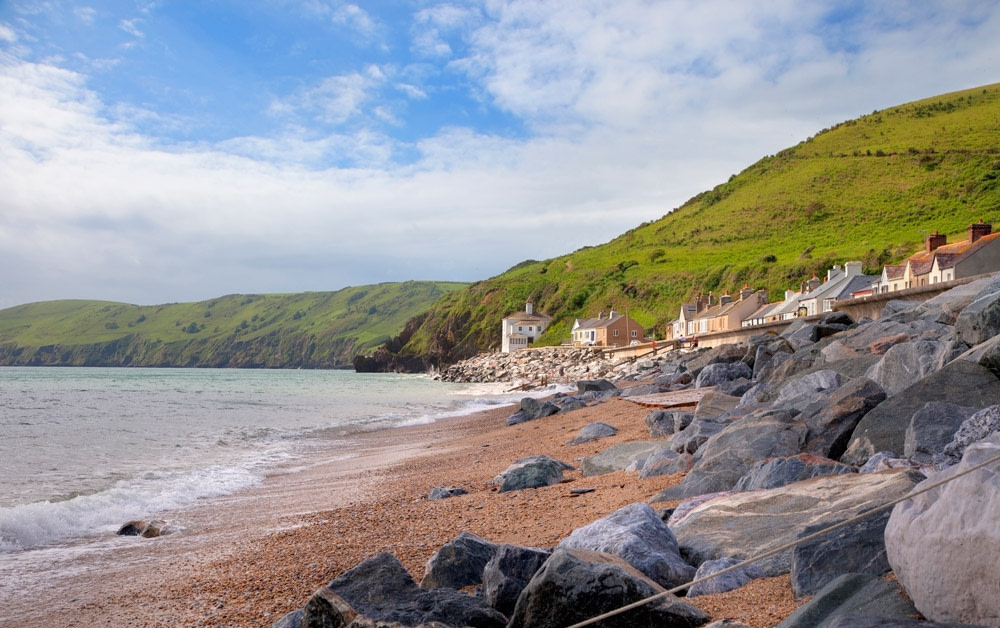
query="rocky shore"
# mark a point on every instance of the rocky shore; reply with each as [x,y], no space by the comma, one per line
[791,434]
[531,366]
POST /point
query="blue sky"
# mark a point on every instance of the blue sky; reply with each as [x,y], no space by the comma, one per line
[159,151]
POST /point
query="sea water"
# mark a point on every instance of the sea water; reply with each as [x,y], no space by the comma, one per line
[83,450]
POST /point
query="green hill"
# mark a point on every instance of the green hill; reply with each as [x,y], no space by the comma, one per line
[868,189]
[309,330]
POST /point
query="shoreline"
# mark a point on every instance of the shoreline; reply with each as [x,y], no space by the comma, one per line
[248,558]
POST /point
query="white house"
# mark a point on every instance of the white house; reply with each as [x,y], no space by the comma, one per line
[520,329]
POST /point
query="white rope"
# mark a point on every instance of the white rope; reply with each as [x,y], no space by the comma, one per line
[778,550]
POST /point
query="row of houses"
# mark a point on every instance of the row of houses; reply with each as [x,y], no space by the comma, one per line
[939,261]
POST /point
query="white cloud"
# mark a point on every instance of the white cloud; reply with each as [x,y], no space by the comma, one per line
[335,99]
[356,18]
[85,14]
[132,27]
[7,34]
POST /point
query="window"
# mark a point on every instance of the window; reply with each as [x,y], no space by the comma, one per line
[616,333]
[519,328]
[635,334]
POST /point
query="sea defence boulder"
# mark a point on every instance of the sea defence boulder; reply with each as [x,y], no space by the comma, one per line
[944,545]
[855,548]
[884,428]
[592,432]
[458,563]
[742,525]
[380,592]
[849,600]
[637,535]
[726,582]
[575,585]
[531,472]
[532,409]
[775,472]
[508,573]
[619,457]
[932,428]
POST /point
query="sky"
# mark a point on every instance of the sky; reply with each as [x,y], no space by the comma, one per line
[156,151]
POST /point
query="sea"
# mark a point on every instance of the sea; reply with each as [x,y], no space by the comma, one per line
[83,450]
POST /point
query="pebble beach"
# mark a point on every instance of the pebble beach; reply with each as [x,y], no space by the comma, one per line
[249,558]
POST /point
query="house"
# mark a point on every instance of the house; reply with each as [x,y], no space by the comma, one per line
[678,327]
[615,330]
[940,261]
[730,313]
[836,279]
[520,329]
[979,254]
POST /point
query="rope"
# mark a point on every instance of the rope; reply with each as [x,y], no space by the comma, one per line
[789,545]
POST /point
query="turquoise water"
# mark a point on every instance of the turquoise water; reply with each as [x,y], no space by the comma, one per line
[85,448]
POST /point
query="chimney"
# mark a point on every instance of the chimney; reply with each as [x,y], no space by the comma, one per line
[978,230]
[813,283]
[789,294]
[612,314]
[746,292]
[833,273]
[852,268]
[711,299]
[725,299]
[762,297]
[527,307]
[600,315]
[935,240]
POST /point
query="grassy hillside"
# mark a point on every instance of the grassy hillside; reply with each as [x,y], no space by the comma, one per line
[311,330]
[868,189]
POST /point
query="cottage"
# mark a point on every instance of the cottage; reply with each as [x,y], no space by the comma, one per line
[520,329]
[615,330]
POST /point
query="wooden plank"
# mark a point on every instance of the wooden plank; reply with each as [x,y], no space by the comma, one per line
[671,399]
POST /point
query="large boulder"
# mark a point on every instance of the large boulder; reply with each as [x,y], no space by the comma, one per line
[592,432]
[697,432]
[851,595]
[458,563]
[508,572]
[728,456]
[663,423]
[726,582]
[713,404]
[974,429]
[986,354]
[884,428]
[666,462]
[742,525]
[720,372]
[801,391]
[832,420]
[594,385]
[620,457]
[775,472]
[980,320]
[856,548]
[906,363]
[932,428]
[380,592]
[575,585]
[637,535]
[532,409]
[944,545]
[531,472]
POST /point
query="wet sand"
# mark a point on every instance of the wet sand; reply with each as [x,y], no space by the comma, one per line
[249,558]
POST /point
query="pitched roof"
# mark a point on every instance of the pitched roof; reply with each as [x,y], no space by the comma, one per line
[524,317]
[894,271]
[952,254]
[857,282]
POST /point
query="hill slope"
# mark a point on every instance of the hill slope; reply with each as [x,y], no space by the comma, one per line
[868,189]
[309,330]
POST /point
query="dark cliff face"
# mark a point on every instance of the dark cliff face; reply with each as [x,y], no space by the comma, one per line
[390,358]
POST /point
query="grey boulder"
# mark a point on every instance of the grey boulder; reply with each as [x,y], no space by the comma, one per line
[575,585]
[592,432]
[380,592]
[932,428]
[532,409]
[775,472]
[906,363]
[742,525]
[849,595]
[531,472]
[720,372]
[856,548]
[944,545]
[619,457]
[974,429]
[884,428]
[458,563]
[508,572]
[638,536]
[728,581]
